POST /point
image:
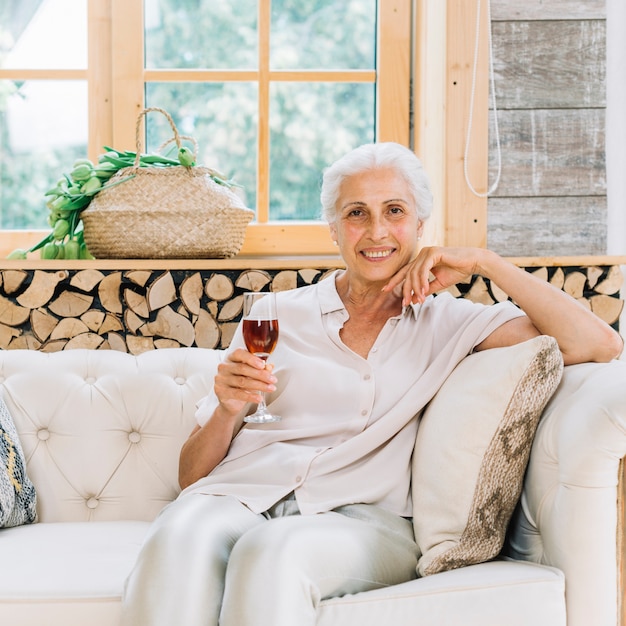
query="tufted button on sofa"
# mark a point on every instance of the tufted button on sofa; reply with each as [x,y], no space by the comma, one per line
[101,432]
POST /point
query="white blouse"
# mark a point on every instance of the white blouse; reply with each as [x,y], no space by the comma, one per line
[348,423]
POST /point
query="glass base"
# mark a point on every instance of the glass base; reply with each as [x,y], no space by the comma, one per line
[262,418]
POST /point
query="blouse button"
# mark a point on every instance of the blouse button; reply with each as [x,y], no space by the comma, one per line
[366,377]
[134,437]
[179,380]
[92,503]
[364,412]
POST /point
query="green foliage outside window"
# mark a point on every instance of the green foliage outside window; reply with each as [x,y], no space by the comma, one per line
[311,123]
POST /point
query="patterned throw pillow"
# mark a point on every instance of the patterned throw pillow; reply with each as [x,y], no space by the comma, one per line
[472,448]
[18,500]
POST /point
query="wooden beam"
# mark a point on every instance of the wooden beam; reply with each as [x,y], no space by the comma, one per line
[621,544]
[263,138]
[99,76]
[465,212]
[393,91]
[429,105]
[303,252]
[127,45]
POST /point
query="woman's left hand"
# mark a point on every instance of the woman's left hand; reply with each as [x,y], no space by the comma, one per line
[433,269]
[581,334]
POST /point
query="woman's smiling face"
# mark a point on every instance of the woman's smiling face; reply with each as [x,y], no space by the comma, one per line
[377,227]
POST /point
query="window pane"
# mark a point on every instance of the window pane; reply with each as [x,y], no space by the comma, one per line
[43,34]
[312,124]
[207,34]
[323,34]
[35,153]
[222,118]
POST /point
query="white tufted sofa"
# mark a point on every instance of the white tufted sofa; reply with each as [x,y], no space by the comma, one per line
[101,431]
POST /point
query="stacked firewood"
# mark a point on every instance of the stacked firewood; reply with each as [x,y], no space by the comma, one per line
[138,309]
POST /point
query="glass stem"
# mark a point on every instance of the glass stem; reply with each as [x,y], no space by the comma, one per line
[262,407]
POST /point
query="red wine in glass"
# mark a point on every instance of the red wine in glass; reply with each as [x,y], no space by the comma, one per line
[260,334]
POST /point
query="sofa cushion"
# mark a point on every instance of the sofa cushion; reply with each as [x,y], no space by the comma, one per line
[72,574]
[488,594]
[472,449]
[68,573]
[18,499]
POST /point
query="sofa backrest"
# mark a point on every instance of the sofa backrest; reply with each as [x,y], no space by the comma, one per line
[102,430]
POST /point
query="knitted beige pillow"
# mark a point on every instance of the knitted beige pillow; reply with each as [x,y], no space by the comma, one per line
[472,449]
[18,499]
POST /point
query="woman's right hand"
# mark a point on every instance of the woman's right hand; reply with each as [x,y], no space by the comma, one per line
[241,379]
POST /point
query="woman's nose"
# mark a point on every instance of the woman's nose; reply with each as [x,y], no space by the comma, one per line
[378,227]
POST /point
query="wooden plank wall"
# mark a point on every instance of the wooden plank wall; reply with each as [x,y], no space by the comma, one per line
[550,66]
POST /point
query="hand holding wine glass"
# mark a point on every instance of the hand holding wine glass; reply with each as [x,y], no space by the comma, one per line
[260,333]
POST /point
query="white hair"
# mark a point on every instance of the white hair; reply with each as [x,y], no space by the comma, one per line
[375,156]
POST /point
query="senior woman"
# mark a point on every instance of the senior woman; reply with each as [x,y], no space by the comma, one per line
[275,517]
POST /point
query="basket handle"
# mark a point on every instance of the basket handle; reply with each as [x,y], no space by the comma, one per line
[177,137]
[181,137]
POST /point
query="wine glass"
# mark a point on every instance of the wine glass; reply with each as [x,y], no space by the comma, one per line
[260,333]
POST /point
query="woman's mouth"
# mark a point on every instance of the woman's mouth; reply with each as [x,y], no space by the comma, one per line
[377,254]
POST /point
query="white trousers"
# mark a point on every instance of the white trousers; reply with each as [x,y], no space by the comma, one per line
[209,560]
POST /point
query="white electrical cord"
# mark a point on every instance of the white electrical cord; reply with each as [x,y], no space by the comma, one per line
[471,111]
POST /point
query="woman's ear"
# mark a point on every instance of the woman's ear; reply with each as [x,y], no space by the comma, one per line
[333,232]
[420,229]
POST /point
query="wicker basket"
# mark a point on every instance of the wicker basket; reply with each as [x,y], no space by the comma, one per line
[165,213]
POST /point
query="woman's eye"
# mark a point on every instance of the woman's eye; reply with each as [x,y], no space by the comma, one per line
[355,213]
[396,210]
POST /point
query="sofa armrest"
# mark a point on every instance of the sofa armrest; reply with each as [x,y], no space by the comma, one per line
[568,515]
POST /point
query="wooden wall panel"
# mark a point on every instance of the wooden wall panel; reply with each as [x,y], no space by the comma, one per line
[550,64]
[550,84]
[548,9]
[568,226]
[552,152]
